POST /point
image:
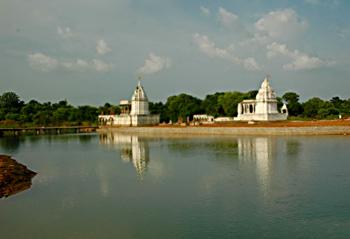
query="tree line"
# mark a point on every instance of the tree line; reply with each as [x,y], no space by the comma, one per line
[15,112]
[225,104]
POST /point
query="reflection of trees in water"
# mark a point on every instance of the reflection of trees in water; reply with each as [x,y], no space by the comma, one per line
[132,149]
[126,153]
[66,138]
[11,143]
[33,139]
[218,147]
[85,138]
[293,147]
[292,151]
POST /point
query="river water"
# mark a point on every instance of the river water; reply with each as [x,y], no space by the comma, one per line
[123,186]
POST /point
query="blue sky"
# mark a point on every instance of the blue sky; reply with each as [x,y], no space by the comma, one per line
[92,51]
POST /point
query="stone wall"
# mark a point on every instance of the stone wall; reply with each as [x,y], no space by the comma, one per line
[262,117]
[144,120]
[128,120]
[111,120]
[189,131]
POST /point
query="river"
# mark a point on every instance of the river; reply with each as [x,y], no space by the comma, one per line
[124,186]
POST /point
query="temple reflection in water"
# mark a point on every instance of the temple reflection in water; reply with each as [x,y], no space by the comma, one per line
[132,149]
[262,150]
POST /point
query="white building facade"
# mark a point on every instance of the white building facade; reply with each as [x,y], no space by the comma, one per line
[134,113]
[263,108]
[203,119]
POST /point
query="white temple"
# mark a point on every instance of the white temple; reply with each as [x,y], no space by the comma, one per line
[134,113]
[263,108]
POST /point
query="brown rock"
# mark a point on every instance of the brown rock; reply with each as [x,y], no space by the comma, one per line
[14,177]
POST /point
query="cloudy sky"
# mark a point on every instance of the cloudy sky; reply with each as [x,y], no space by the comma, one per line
[92,51]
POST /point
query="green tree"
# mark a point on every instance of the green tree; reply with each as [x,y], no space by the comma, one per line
[251,94]
[109,109]
[345,107]
[61,115]
[182,106]
[312,107]
[229,101]
[211,106]
[293,105]
[10,103]
[42,118]
[87,113]
[159,109]
[29,110]
[337,102]
[328,112]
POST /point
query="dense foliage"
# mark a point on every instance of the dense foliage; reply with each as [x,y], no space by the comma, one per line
[15,112]
[181,106]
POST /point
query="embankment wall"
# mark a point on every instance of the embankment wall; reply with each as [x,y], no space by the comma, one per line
[157,131]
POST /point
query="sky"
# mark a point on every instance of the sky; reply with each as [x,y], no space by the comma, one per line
[94,51]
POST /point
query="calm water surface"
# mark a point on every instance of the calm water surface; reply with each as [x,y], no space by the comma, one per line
[120,186]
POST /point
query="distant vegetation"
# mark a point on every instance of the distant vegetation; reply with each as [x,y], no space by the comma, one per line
[14,112]
[225,104]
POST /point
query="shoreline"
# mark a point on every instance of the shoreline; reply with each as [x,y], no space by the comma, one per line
[46,130]
[228,130]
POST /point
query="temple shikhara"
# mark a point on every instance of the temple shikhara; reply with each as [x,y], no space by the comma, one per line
[263,108]
[133,113]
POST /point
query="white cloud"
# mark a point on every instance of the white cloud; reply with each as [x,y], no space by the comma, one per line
[226,18]
[42,62]
[83,65]
[101,66]
[65,32]
[78,65]
[205,11]
[300,60]
[250,64]
[208,47]
[154,64]
[281,24]
[102,47]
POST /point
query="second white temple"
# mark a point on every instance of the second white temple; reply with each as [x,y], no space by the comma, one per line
[263,108]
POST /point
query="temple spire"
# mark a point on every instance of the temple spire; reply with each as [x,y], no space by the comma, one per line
[139,78]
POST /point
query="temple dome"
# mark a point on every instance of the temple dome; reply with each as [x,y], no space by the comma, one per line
[139,93]
[265,92]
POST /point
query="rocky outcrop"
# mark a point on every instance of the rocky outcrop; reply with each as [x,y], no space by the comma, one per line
[14,177]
